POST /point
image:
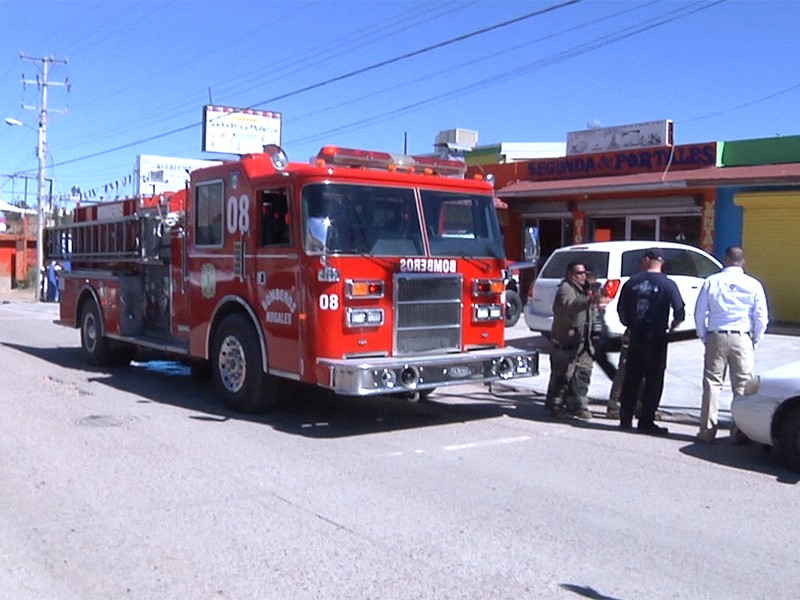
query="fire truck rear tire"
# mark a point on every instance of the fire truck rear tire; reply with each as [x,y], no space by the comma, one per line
[236,365]
[96,347]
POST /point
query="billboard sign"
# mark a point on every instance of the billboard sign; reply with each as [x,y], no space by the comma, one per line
[623,137]
[239,130]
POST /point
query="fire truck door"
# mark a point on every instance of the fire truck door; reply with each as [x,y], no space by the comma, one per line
[276,276]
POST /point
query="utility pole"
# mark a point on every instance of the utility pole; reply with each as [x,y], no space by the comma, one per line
[41,153]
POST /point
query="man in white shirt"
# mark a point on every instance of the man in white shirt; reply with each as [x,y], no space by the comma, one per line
[731,317]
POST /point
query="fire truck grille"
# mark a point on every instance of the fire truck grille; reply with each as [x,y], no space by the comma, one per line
[427,313]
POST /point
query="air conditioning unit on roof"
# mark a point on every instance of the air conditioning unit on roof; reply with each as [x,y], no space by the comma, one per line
[457,139]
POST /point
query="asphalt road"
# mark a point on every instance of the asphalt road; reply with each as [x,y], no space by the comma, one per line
[135,483]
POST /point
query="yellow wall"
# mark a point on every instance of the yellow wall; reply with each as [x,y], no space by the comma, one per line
[771,243]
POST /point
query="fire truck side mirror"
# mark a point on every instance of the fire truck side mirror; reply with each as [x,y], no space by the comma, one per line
[531,251]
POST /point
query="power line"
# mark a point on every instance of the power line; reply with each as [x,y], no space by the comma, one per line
[323,52]
[338,78]
[524,69]
[482,58]
[741,106]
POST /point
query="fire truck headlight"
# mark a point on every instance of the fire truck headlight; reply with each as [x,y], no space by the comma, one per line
[364,317]
[488,312]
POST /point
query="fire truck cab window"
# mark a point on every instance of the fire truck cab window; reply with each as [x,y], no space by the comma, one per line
[361,219]
[274,218]
[461,224]
[209,214]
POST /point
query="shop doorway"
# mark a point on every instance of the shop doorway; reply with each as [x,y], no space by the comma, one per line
[553,234]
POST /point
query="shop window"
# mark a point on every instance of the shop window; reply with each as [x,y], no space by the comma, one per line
[607,229]
[684,229]
[643,228]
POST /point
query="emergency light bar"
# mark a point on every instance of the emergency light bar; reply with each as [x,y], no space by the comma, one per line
[369,159]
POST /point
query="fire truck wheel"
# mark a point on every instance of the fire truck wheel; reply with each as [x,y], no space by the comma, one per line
[95,346]
[236,362]
[513,308]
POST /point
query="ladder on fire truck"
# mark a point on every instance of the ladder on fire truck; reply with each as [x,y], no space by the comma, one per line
[126,239]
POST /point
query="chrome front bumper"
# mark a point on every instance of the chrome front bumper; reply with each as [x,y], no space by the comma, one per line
[410,374]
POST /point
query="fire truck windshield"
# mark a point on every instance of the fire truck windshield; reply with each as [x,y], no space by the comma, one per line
[361,219]
[461,224]
[384,221]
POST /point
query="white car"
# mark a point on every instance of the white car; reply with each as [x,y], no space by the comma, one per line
[769,411]
[613,263]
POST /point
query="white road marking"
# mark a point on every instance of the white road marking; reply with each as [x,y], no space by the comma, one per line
[487,443]
[483,444]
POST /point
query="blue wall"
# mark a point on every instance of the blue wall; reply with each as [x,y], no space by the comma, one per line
[727,221]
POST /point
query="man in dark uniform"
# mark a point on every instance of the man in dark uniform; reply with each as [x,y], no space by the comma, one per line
[644,308]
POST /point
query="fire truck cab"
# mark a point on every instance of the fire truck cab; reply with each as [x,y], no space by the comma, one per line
[361,272]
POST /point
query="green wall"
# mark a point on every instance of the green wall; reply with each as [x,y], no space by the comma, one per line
[764,151]
[486,155]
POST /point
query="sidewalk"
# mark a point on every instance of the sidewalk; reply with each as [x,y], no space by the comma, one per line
[683,382]
[16,295]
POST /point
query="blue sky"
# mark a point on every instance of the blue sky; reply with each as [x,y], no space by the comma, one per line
[373,74]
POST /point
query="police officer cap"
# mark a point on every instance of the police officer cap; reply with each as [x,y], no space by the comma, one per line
[654,254]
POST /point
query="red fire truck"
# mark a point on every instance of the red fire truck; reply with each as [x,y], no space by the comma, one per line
[361,272]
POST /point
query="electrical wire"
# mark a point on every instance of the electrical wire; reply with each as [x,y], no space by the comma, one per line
[516,72]
[741,106]
[338,78]
[323,52]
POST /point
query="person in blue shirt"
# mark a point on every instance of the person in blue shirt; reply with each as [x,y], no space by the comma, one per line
[644,308]
[731,317]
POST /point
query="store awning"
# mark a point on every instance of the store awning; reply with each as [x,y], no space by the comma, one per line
[6,207]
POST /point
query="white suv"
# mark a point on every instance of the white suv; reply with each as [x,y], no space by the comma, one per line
[614,263]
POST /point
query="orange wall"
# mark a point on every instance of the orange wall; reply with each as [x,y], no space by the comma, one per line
[12,263]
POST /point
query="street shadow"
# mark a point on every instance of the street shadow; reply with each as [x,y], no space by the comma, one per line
[531,342]
[586,592]
[312,412]
[749,457]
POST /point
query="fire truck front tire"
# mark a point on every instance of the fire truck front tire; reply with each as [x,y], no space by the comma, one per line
[513,308]
[236,364]
[96,347]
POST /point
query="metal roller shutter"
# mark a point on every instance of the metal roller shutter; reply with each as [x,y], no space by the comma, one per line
[771,242]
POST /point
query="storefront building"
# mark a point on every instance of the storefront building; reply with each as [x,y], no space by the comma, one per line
[766,208]
[709,195]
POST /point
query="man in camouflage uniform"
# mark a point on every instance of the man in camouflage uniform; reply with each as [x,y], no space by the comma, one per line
[571,357]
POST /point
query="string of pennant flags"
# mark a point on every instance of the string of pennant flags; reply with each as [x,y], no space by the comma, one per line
[112,187]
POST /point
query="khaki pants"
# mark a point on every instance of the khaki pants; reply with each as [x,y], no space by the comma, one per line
[724,350]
